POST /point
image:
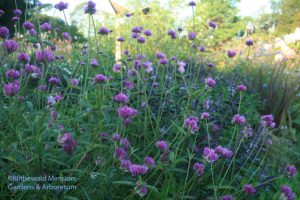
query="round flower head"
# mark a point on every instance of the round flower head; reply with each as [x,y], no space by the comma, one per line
[162,145]
[104,31]
[32,32]
[210,65]
[267,121]
[44,56]
[249,42]
[212,24]
[287,192]
[149,161]
[125,164]
[121,97]
[127,112]
[66,36]
[231,53]
[119,153]
[148,66]
[210,82]
[247,132]
[100,78]
[202,48]
[15,18]
[128,85]
[28,25]
[141,190]
[117,68]
[191,35]
[54,80]
[205,115]
[192,124]
[192,3]
[61,6]
[163,61]
[172,33]
[94,63]
[137,29]
[74,81]
[249,189]
[10,46]
[120,39]
[241,88]
[17,12]
[160,55]
[90,8]
[137,170]
[68,142]
[199,168]
[141,39]
[4,32]
[291,170]
[10,89]
[23,57]
[210,155]
[13,74]
[238,119]
[45,27]
[147,33]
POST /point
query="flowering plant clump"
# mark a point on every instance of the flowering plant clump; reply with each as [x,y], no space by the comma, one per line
[143,109]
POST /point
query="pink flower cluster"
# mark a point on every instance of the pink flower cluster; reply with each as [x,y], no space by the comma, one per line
[192,124]
[226,153]
[238,119]
[127,113]
[210,155]
[268,121]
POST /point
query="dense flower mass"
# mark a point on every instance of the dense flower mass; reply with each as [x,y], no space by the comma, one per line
[61,6]
[238,119]
[249,189]
[268,121]
[287,192]
[199,168]
[210,155]
[68,142]
[137,170]
[162,145]
[192,124]
[291,170]
[10,46]
[4,32]
[90,8]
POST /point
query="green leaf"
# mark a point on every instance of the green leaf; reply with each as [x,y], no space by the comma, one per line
[124,183]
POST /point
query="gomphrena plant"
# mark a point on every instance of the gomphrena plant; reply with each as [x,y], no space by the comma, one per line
[151,125]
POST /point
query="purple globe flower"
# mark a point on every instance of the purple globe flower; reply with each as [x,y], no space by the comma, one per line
[32,32]
[28,25]
[45,27]
[199,168]
[17,12]
[44,56]
[120,39]
[127,112]
[149,161]
[15,18]
[172,33]
[10,46]
[267,121]
[4,32]
[128,85]
[231,53]
[116,136]
[119,153]
[162,145]
[23,57]
[125,164]
[137,170]
[287,192]
[13,74]
[192,3]
[121,97]
[249,42]
[202,48]
[94,63]
[10,89]
[210,82]
[54,81]
[212,24]
[210,155]
[104,31]
[205,115]
[137,29]
[241,88]
[147,33]
[249,189]
[74,81]
[141,39]
[191,123]
[68,142]
[128,14]
[191,35]
[291,170]
[90,8]
[66,36]
[163,61]
[100,78]
[61,6]
[238,119]
[160,55]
